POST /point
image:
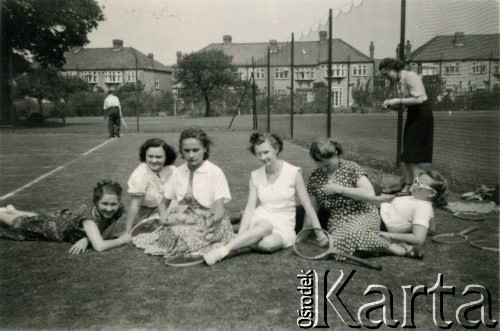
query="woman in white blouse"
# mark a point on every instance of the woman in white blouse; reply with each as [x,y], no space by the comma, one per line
[147,182]
[201,187]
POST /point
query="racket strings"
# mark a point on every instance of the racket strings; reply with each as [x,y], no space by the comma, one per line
[308,246]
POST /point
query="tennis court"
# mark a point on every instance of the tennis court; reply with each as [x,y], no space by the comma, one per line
[43,286]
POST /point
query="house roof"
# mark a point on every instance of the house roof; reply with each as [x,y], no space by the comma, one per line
[306,53]
[242,53]
[475,47]
[108,59]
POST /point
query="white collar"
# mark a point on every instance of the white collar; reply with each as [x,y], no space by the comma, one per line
[203,168]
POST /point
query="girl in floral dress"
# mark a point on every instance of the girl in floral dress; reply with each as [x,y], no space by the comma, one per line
[202,187]
[82,226]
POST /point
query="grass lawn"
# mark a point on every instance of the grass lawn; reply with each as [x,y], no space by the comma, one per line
[41,286]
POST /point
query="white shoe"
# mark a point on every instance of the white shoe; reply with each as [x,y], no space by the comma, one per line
[215,255]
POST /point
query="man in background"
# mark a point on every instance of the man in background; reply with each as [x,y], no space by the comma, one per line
[113,111]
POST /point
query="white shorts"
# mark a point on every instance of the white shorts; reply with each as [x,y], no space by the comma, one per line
[283,224]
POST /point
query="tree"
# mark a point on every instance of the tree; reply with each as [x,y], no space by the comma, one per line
[48,84]
[205,73]
[40,31]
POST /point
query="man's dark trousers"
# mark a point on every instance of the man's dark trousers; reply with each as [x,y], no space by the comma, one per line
[114,122]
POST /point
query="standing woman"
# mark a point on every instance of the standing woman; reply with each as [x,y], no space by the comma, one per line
[419,126]
[201,188]
[147,182]
[268,222]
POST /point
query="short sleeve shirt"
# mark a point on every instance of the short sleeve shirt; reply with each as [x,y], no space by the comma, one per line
[402,213]
[209,184]
[145,182]
[410,85]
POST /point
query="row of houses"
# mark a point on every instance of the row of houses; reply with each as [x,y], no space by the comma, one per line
[464,63]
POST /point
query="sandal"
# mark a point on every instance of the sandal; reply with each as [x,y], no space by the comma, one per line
[416,252]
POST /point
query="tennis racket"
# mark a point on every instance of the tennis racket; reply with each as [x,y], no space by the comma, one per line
[491,245]
[470,216]
[454,238]
[184,261]
[308,247]
[147,225]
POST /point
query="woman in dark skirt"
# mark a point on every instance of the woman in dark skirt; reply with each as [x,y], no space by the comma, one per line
[419,126]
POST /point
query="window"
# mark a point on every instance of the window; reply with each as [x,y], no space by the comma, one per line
[451,68]
[304,74]
[131,77]
[478,68]
[496,68]
[70,73]
[359,69]
[259,73]
[89,76]
[338,70]
[429,69]
[281,73]
[157,83]
[113,77]
[336,96]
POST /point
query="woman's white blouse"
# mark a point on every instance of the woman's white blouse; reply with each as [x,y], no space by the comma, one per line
[145,182]
[411,85]
[209,184]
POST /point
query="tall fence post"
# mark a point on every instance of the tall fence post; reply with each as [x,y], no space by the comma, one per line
[348,80]
[402,58]
[136,92]
[330,74]
[292,85]
[268,89]
[254,101]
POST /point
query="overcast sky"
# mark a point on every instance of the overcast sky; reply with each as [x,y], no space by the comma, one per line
[163,27]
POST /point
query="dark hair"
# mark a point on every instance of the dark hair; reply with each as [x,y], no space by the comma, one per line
[170,154]
[440,185]
[325,148]
[199,134]
[110,92]
[390,63]
[106,186]
[258,138]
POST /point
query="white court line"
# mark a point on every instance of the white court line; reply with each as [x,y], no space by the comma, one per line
[36,180]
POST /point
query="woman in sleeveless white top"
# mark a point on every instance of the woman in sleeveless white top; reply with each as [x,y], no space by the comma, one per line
[268,222]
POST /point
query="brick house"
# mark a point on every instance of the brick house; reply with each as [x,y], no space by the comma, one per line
[349,65]
[109,68]
[464,62]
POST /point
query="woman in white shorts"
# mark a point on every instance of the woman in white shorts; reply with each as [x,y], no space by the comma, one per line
[268,222]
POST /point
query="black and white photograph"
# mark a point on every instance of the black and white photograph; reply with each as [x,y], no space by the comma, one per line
[249,164]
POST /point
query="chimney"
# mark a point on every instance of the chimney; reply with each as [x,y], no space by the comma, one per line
[459,39]
[151,59]
[407,48]
[323,35]
[227,39]
[117,45]
[273,45]
[179,56]
[372,50]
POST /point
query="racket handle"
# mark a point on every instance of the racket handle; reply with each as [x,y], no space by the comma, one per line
[360,261]
[469,230]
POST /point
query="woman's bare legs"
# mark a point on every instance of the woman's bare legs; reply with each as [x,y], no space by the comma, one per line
[9,213]
[259,236]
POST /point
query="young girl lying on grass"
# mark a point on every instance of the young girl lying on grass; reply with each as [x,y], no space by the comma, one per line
[409,218]
[94,224]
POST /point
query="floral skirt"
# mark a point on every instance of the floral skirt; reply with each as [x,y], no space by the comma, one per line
[185,239]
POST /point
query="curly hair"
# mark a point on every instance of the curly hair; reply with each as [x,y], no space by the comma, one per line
[106,186]
[198,134]
[170,154]
[258,138]
[325,148]
[440,185]
[390,63]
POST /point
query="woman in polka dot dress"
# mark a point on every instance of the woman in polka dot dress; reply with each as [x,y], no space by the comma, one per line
[342,188]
